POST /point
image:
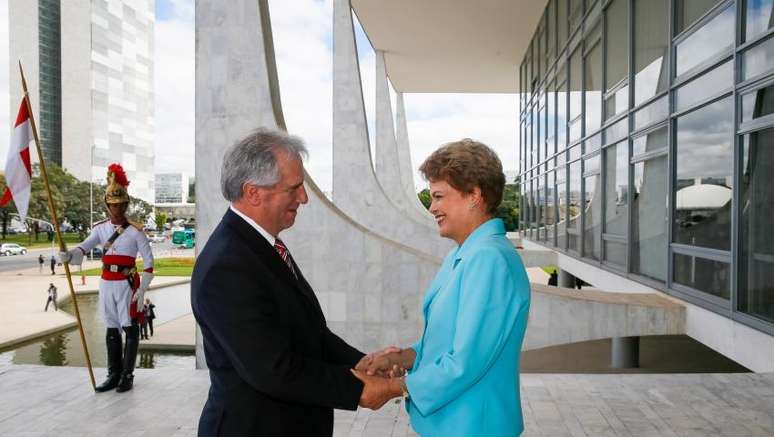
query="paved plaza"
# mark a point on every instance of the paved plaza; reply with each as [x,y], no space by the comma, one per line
[37,401]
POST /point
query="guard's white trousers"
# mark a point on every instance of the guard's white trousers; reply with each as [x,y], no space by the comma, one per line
[114,300]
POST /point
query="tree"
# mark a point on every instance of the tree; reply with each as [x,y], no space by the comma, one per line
[508,210]
[161,220]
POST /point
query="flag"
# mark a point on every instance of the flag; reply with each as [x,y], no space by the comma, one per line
[18,170]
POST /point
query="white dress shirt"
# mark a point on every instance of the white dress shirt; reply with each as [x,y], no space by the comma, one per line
[270,238]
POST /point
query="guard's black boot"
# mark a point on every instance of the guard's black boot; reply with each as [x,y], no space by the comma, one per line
[130,355]
[113,342]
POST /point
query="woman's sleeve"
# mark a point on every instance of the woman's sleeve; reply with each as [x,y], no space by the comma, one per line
[489,305]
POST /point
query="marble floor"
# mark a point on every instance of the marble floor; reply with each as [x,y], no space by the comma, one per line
[58,401]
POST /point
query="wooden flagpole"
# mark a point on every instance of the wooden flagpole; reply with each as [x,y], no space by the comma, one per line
[55,222]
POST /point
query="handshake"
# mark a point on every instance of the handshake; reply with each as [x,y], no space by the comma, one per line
[382,374]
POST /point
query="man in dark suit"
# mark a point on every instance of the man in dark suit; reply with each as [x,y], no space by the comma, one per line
[275,367]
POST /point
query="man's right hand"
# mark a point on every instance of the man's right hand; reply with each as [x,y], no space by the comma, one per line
[73,257]
[367,361]
[377,391]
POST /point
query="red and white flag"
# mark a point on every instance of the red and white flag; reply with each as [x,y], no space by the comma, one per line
[18,170]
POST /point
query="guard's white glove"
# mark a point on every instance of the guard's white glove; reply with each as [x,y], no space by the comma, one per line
[73,256]
[139,295]
[145,280]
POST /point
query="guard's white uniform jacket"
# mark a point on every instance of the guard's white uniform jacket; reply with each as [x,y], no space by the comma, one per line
[114,291]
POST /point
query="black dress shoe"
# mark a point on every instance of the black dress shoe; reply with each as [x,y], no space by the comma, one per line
[110,383]
[126,383]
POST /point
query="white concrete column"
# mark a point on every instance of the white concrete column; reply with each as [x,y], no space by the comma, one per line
[625,352]
[356,189]
[404,160]
[370,288]
[388,169]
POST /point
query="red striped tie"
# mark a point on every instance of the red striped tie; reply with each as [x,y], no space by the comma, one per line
[285,255]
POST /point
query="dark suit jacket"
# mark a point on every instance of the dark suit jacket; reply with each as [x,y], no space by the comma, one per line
[275,367]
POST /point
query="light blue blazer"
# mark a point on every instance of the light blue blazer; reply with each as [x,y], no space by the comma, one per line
[465,379]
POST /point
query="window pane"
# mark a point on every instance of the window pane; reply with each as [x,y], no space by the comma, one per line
[593,143]
[617,102]
[758,103]
[650,142]
[651,39]
[688,11]
[591,164]
[615,253]
[756,286]
[617,39]
[617,189]
[714,37]
[705,172]
[574,208]
[576,13]
[649,214]
[652,113]
[593,80]
[551,121]
[696,90]
[593,217]
[550,215]
[561,20]
[576,84]
[561,191]
[561,117]
[757,17]
[617,131]
[575,152]
[758,60]
[540,194]
[550,31]
[712,277]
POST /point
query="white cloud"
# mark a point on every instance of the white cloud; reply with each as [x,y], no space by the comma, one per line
[435,119]
[174,89]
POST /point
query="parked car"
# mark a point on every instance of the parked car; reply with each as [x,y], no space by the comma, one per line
[157,238]
[9,249]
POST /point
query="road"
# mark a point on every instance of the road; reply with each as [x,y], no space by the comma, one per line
[20,262]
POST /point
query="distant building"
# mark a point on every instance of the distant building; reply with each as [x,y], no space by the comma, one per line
[89,70]
[171,188]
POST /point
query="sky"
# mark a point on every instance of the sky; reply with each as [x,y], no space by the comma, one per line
[303,44]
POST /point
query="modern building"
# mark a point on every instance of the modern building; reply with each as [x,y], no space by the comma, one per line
[89,68]
[171,188]
[645,128]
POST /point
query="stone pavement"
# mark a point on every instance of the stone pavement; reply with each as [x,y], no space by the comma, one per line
[23,295]
[38,401]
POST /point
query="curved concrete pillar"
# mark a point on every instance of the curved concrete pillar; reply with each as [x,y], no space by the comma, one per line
[356,189]
[388,169]
[369,287]
[404,159]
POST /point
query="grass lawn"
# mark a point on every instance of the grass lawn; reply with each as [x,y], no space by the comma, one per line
[29,241]
[161,267]
[550,269]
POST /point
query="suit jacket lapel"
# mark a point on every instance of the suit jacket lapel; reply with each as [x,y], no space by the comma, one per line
[274,262]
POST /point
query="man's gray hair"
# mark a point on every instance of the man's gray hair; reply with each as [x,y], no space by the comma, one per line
[253,161]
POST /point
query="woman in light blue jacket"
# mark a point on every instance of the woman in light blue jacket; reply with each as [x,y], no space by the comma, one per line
[463,377]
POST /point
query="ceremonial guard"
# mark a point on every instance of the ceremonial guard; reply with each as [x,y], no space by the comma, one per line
[122,288]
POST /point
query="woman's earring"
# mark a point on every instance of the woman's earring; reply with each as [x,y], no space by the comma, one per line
[472,205]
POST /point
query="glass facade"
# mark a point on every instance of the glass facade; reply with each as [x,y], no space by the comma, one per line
[659,145]
[50,79]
